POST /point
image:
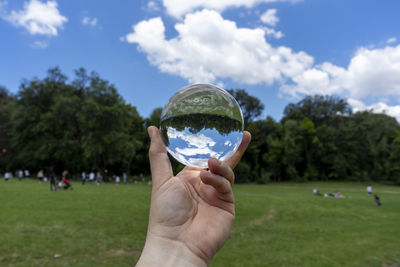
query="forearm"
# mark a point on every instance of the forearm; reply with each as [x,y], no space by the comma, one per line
[160,251]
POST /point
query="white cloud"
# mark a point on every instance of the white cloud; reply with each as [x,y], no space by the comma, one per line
[272,33]
[40,44]
[323,79]
[195,151]
[89,21]
[269,17]
[391,40]
[375,72]
[178,8]
[38,18]
[198,141]
[197,145]
[209,47]
[371,72]
[152,6]
[379,107]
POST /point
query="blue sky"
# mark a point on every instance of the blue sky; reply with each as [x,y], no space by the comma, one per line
[278,50]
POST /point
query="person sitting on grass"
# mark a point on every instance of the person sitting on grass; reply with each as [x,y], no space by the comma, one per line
[335,195]
[377,200]
[316,192]
[66,180]
[339,195]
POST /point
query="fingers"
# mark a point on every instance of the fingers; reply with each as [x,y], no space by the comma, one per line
[233,161]
[221,184]
[220,176]
[160,165]
[221,169]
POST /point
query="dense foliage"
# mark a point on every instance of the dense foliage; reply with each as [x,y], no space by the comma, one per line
[85,125]
[319,139]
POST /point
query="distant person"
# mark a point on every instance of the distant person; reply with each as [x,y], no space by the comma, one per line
[117,180]
[135,178]
[124,177]
[339,195]
[83,177]
[53,186]
[20,175]
[369,191]
[98,178]
[91,177]
[27,173]
[316,192]
[7,176]
[377,200]
[66,178]
[40,176]
[141,178]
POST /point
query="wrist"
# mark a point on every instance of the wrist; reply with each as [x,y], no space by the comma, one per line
[160,251]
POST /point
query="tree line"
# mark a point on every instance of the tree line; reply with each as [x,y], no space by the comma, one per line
[85,125]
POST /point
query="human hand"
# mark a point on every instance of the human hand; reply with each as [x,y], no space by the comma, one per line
[191,214]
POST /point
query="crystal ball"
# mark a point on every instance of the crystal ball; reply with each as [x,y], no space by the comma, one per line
[200,122]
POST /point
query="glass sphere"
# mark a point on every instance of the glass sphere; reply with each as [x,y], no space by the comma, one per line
[200,122]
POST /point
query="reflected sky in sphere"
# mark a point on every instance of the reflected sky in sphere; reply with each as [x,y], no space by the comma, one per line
[195,149]
[201,122]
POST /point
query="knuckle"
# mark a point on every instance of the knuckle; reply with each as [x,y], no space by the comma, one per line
[153,151]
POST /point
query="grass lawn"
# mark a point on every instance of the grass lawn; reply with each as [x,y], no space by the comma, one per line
[276,225]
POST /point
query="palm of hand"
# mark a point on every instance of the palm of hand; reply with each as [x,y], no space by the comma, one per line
[189,211]
[193,210]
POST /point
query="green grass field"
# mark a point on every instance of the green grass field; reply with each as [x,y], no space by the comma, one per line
[276,225]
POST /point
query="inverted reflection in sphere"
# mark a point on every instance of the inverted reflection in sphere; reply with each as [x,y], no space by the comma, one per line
[199,122]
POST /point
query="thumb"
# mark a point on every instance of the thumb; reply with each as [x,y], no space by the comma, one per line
[160,165]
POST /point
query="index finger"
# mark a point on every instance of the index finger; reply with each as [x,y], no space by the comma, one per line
[234,160]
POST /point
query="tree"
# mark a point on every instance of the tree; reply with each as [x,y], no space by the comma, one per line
[372,136]
[261,154]
[104,122]
[251,106]
[317,108]
[45,124]
[393,163]
[86,125]
[81,126]
[310,146]
[292,149]
[137,158]
[6,150]
[155,118]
